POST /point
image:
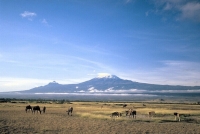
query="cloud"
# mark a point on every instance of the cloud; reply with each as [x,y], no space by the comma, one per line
[147,13]
[135,91]
[44,21]
[182,9]
[17,84]
[28,15]
[168,73]
[100,75]
[128,1]
[176,91]
[111,90]
[190,11]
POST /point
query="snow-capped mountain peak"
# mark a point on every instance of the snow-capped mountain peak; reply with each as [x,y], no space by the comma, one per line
[107,76]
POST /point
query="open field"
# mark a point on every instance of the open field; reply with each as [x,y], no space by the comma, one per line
[94,117]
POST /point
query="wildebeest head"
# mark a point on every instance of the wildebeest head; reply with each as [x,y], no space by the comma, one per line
[175,113]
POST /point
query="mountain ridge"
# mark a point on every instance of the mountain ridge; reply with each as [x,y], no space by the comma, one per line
[109,84]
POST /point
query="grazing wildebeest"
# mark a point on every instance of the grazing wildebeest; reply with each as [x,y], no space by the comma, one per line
[44,109]
[124,105]
[152,113]
[36,108]
[177,115]
[70,110]
[28,108]
[116,114]
[131,112]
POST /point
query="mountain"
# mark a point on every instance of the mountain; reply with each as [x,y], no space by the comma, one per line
[110,84]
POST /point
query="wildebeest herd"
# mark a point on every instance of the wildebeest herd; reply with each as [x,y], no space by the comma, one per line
[132,113]
[129,112]
[35,109]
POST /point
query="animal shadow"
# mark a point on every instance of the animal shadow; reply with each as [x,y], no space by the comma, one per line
[165,121]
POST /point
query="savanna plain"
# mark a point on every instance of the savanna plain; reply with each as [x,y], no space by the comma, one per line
[95,117]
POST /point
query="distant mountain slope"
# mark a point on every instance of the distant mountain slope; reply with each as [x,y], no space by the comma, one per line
[109,84]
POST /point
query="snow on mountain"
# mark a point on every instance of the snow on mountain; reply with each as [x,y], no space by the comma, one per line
[107,76]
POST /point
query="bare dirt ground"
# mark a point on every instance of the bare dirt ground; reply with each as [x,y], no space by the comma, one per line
[91,119]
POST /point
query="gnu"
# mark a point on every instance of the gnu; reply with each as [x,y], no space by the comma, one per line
[177,116]
[124,105]
[44,109]
[131,112]
[28,108]
[70,110]
[152,114]
[36,108]
[116,114]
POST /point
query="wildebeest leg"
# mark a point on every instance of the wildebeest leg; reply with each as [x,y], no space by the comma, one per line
[179,119]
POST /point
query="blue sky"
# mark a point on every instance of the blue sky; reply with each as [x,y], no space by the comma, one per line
[71,41]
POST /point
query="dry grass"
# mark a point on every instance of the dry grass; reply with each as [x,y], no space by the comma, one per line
[91,117]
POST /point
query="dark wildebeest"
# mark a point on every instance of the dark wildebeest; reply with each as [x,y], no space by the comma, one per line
[70,110]
[124,105]
[44,109]
[131,112]
[177,115]
[151,114]
[116,114]
[36,108]
[28,108]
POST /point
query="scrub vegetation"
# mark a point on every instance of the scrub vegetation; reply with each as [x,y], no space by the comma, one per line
[95,117]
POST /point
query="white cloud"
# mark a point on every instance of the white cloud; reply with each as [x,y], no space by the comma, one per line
[111,90]
[28,15]
[147,13]
[44,21]
[176,91]
[168,6]
[128,1]
[169,73]
[18,84]
[184,9]
[190,11]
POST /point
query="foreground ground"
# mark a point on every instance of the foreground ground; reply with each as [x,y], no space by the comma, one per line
[94,117]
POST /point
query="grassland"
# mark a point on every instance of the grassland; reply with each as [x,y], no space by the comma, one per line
[94,117]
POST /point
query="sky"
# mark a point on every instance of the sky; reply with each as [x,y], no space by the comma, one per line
[72,41]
